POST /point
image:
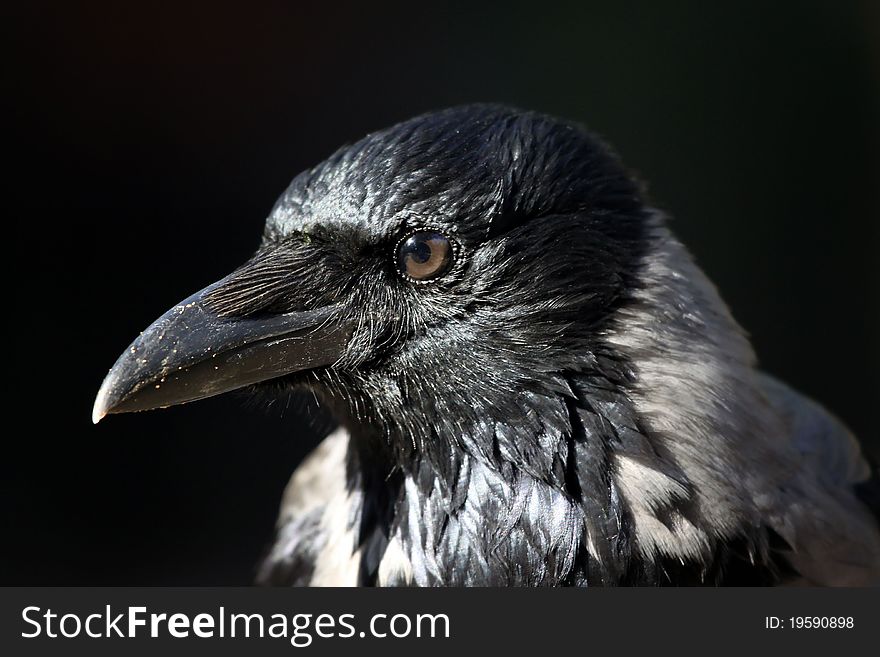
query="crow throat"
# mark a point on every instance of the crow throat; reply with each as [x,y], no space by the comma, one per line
[533,500]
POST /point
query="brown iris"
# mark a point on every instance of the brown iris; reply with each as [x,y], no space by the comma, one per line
[424,255]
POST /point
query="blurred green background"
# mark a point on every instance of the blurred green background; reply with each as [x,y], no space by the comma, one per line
[150,144]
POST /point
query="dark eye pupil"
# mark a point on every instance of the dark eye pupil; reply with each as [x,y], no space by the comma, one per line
[420,252]
[424,255]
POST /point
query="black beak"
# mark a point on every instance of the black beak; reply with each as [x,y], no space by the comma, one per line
[191,353]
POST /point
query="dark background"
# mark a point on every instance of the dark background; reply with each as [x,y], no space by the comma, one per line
[148,146]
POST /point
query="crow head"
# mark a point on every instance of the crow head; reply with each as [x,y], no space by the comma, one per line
[421,281]
[539,384]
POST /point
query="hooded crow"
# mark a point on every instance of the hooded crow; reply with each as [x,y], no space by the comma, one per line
[534,383]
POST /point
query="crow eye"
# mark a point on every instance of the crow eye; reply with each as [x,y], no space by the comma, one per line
[424,255]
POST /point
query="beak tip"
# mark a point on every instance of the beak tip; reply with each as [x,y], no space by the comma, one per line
[101,407]
[97,415]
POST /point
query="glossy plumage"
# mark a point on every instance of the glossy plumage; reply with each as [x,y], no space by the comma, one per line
[570,403]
